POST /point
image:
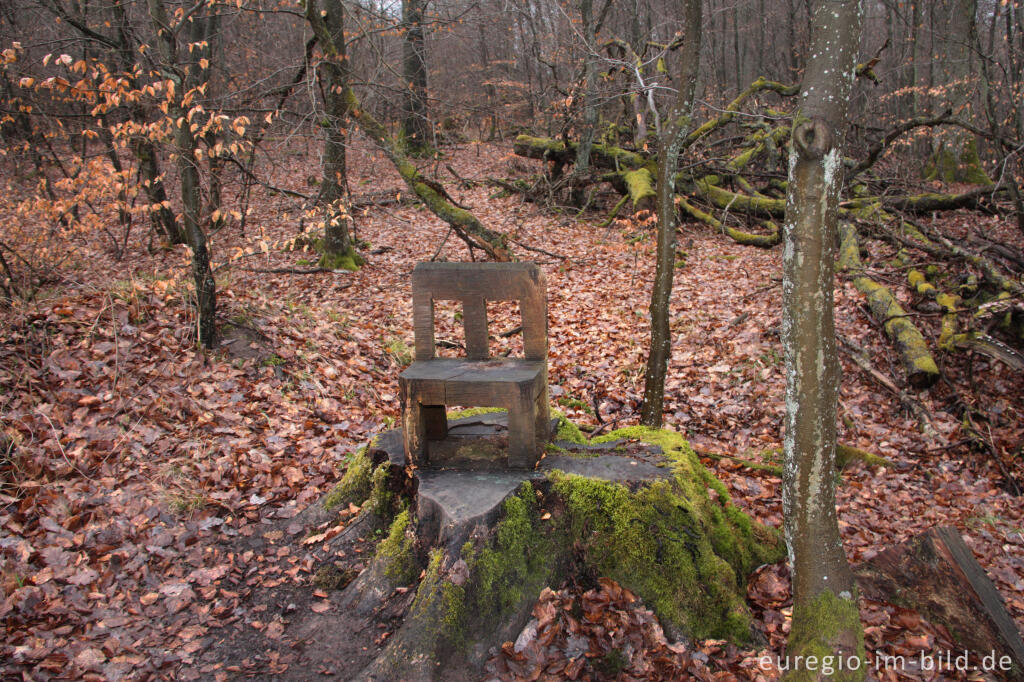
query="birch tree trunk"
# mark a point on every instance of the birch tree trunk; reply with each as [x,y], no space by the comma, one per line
[826,621]
[670,143]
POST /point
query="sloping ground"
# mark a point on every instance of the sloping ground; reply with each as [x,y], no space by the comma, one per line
[147,481]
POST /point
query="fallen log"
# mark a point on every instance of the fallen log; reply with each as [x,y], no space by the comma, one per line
[926,203]
[764,241]
[601,155]
[917,361]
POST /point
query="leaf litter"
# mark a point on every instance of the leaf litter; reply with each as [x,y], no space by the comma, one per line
[148,487]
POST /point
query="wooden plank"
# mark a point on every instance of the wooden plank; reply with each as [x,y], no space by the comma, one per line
[474,320]
[423,323]
[493,281]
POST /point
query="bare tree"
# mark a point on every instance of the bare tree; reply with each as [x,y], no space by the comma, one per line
[675,126]
[825,615]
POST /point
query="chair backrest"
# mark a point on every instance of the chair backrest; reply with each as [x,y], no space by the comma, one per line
[474,284]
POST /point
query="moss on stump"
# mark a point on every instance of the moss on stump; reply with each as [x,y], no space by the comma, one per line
[675,541]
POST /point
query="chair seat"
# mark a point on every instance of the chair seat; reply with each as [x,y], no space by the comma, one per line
[457,381]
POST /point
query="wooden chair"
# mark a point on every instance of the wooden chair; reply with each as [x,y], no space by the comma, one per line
[519,385]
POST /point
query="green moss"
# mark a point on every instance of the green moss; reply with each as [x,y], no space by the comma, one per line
[395,552]
[355,485]
[473,412]
[515,565]
[685,554]
[970,169]
[740,203]
[349,260]
[846,454]
[920,283]
[829,630]
[640,184]
[566,430]
[381,499]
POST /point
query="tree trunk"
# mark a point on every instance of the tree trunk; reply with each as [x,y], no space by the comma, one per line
[825,616]
[415,122]
[333,196]
[669,145]
[467,226]
[188,174]
[589,122]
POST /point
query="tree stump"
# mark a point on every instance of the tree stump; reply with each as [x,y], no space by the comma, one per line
[936,574]
[478,543]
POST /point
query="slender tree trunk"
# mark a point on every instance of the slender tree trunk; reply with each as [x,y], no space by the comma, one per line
[334,184]
[589,122]
[674,129]
[188,174]
[415,122]
[825,615]
[915,57]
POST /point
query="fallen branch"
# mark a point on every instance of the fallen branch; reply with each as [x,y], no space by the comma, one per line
[917,361]
[909,403]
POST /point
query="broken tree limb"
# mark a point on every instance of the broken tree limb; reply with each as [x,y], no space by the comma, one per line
[466,225]
[909,403]
[881,145]
[915,357]
[760,85]
[926,203]
[602,155]
[761,207]
[764,241]
[949,303]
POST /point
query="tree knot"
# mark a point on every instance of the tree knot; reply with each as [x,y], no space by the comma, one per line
[813,138]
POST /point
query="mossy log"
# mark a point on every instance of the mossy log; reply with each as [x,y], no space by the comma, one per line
[760,85]
[466,225]
[601,155]
[764,241]
[637,186]
[761,207]
[950,303]
[928,202]
[635,506]
[915,357]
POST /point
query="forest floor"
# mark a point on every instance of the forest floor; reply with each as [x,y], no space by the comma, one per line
[146,500]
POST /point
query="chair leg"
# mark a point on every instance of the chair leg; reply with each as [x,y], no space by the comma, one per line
[522,438]
[542,418]
[414,426]
[436,421]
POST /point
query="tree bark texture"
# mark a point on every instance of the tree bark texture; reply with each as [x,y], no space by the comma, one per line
[415,121]
[188,173]
[825,616]
[334,186]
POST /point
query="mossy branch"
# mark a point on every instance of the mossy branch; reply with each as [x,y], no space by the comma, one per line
[915,357]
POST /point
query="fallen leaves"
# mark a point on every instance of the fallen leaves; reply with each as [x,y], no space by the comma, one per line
[136,460]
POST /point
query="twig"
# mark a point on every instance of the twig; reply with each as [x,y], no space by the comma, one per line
[300,271]
[64,454]
[537,250]
[441,245]
[912,405]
